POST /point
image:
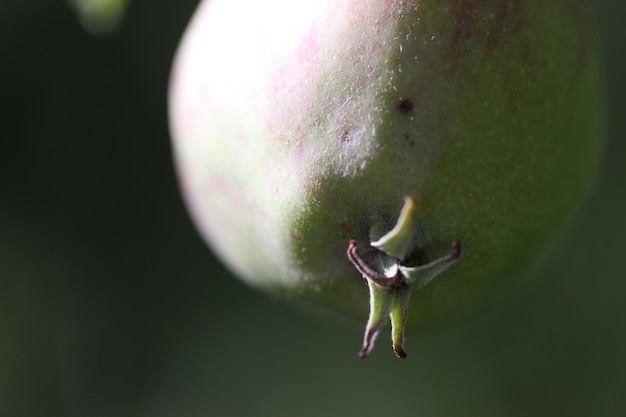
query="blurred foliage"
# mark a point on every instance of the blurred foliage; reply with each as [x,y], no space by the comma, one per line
[110,304]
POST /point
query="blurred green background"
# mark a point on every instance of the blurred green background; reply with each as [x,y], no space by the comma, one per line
[111,305]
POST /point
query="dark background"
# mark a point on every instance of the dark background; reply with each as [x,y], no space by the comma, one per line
[111,305]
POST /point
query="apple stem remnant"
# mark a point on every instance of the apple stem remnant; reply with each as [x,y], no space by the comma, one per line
[390,289]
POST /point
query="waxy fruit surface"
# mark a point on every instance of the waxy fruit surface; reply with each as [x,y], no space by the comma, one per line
[302,126]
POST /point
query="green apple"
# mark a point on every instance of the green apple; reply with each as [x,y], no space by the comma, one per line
[315,136]
[100,17]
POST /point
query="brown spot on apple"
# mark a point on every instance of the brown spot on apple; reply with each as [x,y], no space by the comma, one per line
[405,105]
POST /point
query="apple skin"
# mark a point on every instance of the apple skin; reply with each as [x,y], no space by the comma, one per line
[298,125]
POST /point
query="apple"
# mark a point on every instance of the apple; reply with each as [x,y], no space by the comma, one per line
[407,142]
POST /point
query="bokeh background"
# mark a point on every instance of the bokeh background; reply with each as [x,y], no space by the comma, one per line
[111,305]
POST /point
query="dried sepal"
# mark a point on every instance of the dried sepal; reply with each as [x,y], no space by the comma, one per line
[390,289]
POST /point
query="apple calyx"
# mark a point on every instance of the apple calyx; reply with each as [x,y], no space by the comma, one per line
[391,278]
